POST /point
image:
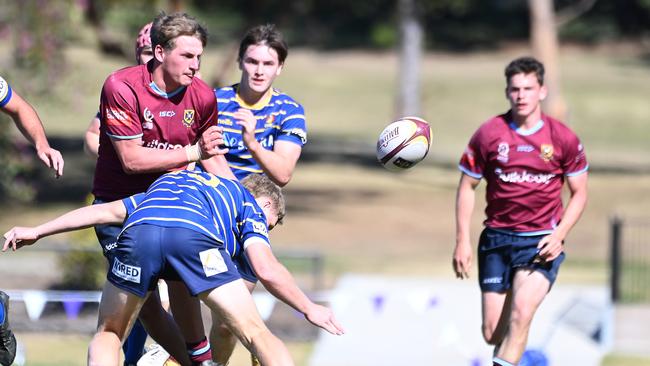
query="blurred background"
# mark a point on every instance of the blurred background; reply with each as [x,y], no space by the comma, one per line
[374,244]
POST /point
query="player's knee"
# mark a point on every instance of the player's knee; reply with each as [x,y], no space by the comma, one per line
[254,332]
[521,317]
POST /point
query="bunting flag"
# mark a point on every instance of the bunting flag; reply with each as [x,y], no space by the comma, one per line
[34,303]
[378,303]
[72,308]
[265,303]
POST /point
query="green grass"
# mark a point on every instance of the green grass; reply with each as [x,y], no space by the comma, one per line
[622,360]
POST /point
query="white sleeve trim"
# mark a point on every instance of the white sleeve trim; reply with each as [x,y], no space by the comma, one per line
[469,172]
[255,240]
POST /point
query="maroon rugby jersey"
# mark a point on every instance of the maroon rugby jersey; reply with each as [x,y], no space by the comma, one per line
[524,171]
[132,107]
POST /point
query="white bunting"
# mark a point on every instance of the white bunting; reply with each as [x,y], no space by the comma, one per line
[34,303]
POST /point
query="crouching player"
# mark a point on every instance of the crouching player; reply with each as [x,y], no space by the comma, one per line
[193,225]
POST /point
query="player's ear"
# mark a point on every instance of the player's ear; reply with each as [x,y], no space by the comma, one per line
[159,53]
[279,70]
[266,202]
[543,92]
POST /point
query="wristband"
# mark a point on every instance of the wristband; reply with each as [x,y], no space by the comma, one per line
[193,153]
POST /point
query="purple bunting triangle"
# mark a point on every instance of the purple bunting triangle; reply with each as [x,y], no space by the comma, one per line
[378,302]
[72,308]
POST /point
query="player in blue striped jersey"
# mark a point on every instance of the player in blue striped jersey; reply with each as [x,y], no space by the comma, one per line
[264,128]
[189,224]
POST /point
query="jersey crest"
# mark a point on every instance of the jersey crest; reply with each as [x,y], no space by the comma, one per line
[546,152]
[188,117]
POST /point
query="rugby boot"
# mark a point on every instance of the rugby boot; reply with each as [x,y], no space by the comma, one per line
[7,338]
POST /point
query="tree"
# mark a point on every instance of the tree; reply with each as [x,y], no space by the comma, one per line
[408,98]
[544,41]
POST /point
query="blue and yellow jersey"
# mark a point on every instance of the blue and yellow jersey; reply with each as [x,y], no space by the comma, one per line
[279,118]
[219,208]
[5,92]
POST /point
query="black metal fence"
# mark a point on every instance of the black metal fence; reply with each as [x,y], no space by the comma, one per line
[630,260]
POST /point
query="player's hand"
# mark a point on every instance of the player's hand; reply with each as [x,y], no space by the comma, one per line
[19,237]
[462,260]
[247,120]
[323,317]
[211,141]
[52,159]
[550,247]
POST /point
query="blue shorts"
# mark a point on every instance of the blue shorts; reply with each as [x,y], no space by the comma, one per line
[501,254]
[145,253]
[106,233]
[244,267]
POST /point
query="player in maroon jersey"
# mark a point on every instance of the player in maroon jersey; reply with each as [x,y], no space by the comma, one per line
[155,118]
[525,157]
[143,53]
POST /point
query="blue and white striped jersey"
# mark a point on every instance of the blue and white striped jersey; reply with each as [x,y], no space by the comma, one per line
[279,118]
[5,92]
[219,208]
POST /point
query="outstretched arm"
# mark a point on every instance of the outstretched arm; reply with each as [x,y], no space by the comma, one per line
[281,284]
[105,213]
[31,127]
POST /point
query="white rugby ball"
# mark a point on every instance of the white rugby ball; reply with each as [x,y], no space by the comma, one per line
[404,143]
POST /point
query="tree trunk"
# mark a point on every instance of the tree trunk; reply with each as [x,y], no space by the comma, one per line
[408,99]
[544,41]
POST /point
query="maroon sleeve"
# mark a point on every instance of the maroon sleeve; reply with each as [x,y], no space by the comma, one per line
[117,110]
[473,160]
[574,159]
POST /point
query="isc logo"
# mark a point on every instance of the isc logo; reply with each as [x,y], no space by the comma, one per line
[166,114]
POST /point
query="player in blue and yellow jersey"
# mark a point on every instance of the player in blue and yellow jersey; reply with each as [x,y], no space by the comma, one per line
[264,128]
[192,225]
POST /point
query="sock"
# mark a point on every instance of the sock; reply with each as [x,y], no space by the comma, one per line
[496,361]
[2,313]
[199,351]
[134,345]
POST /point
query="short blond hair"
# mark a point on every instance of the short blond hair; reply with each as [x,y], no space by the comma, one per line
[166,28]
[260,185]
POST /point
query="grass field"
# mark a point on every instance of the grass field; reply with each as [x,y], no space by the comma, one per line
[369,220]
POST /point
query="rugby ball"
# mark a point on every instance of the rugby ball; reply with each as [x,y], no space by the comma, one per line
[404,143]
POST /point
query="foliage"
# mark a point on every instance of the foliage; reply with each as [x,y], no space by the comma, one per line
[448,24]
[39,31]
[15,166]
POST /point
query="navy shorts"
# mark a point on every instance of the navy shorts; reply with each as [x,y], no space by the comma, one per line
[145,253]
[244,267]
[106,233]
[501,254]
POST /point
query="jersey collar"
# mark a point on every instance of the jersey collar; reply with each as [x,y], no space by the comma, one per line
[263,102]
[163,94]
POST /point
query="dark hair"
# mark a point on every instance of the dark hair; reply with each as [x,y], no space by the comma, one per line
[525,65]
[166,28]
[264,34]
[260,185]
